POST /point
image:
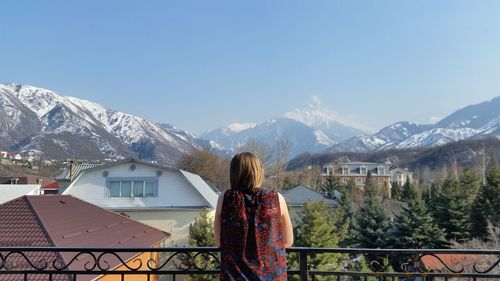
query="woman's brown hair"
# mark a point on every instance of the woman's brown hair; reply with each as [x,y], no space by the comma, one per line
[246,171]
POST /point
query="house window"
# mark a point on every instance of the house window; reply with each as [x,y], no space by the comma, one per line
[358,180]
[381,171]
[345,180]
[132,187]
[345,171]
[362,171]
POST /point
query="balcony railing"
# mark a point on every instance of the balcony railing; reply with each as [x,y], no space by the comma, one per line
[31,263]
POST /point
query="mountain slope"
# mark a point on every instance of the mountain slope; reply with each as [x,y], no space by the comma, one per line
[320,117]
[42,122]
[299,136]
[472,122]
[472,116]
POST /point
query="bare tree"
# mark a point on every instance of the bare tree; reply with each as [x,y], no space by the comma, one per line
[277,169]
[482,163]
[259,149]
[208,166]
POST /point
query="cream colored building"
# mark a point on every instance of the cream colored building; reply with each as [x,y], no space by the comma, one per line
[163,197]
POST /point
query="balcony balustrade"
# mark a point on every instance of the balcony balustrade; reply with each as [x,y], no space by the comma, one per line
[31,263]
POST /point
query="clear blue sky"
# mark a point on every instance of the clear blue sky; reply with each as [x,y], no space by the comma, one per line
[202,64]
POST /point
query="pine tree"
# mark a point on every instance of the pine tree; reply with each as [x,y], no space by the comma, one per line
[373,224]
[330,186]
[486,207]
[470,184]
[452,211]
[396,191]
[408,191]
[201,234]
[317,228]
[415,228]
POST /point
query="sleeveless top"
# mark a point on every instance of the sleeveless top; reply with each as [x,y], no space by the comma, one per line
[252,240]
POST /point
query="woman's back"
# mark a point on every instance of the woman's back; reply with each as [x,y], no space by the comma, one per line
[251,236]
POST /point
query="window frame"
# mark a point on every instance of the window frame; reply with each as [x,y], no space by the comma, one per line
[133,183]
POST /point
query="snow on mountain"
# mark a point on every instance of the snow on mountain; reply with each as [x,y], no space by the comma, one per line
[54,121]
[238,127]
[321,117]
[358,144]
[473,116]
[400,131]
[322,138]
[299,136]
[471,122]
[437,136]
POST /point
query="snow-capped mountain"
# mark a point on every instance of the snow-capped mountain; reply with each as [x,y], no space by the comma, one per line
[309,129]
[475,116]
[321,117]
[471,122]
[42,122]
[300,137]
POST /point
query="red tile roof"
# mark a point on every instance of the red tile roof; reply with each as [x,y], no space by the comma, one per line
[453,261]
[65,221]
[51,185]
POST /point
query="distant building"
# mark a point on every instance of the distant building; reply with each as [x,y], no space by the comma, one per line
[24,179]
[159,196]
[14,156]
[3,154]
[50,188]
[357,173]
[65,221]
[399,176]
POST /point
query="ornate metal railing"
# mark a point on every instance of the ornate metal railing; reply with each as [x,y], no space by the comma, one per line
[23,263]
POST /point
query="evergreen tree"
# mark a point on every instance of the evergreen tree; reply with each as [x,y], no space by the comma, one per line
[470,184]
[330,186]
[486,207]
[373,224]
[201,234]
[317,228]
[396,191]
[452,211]
[408,192]
[415,228]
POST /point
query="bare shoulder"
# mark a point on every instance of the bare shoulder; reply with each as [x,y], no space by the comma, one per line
[220,200]
[282,202]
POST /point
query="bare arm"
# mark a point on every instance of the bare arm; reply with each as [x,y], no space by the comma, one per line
[218,210]
[286,222]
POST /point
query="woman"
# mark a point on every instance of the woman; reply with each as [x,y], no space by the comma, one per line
[252,225]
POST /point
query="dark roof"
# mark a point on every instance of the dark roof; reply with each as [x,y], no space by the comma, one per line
[299,195]
[65,221]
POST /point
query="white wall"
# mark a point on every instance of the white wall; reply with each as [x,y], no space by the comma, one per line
[175,222]
[173,189]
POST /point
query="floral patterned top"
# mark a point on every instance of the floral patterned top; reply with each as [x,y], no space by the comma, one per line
[252,240]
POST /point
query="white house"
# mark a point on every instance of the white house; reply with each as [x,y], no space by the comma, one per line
[12,191]
[160,196]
